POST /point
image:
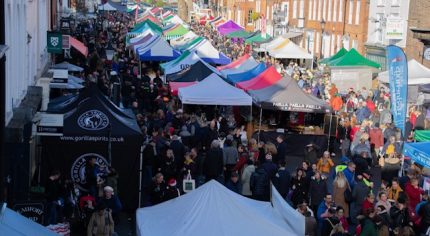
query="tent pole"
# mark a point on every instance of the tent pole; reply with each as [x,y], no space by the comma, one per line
[259,124]
[140,175]
[329,131]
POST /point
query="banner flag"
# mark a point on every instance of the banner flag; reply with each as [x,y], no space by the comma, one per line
[263,26]
[398,74]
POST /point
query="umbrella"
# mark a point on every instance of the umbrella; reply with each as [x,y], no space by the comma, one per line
[67,66]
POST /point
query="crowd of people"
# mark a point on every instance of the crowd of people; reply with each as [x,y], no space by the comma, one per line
[333,190]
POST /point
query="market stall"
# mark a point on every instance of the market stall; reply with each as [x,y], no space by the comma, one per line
[158,50]
[196,72]
[228,27]
[267,78]
[247,75]
[186,60]
[248,64]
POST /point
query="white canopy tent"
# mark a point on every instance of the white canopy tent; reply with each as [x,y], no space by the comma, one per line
[181,41]
[417,73]
[189,59]
[106,7]
[290,50]
[214,91]
[245,66]
[213,210]
[264,47]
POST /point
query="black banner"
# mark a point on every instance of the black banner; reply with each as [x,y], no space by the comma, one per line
[35,211]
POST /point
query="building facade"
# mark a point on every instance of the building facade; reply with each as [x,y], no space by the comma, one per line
[387,24]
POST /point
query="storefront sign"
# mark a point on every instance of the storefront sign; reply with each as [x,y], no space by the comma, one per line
[35,211]
[66,41]
[55,42]
[394,28]
[50,125]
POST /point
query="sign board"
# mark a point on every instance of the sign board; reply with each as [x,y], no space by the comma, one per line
[50,125]
[35,211]
[427,54]
[55,42]
[394,28]
[60,76]
[66,41]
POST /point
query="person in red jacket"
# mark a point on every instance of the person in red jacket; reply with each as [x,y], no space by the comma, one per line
[336,102]
[414,192]
[368,203]
[370,105]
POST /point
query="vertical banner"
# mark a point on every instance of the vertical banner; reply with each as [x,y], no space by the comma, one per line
[398,74]
[55,42]
[263,26]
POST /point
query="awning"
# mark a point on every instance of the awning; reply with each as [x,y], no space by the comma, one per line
[263,80]
[418,74]
[78,45]
[67,66]
[106,7]
[247,75]
[418,152]
[288,49]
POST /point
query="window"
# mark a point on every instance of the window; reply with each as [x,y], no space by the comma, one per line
[340,19]
[319,9]
[302,9]
[325,10]
[357,13]
[249,17]
[381,3]
[351,9]
[338,43]
[314,14]
[332,44]
[295,9]
[335,10]
[329,10]
[317,48]
[310,10]
[395,3]
[355,44]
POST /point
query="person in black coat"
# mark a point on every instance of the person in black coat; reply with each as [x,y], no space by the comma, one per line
[179,151]
[311,153]
[168,166]
[317,190]
[281,148]
[213,164]
[282,180]
[269,166]
[260,184]
[300,186]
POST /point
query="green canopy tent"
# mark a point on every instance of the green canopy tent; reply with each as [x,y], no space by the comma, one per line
[240,34]
[258,38]
[422,135]
[353,59]
[338,55]
[156,28]
[165,20]
[190,44]
[175,32]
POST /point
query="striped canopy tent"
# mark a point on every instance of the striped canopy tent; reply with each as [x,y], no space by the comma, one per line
[183,62]
[132,8]
[240,34]
[150,17]
[167,19]
[247,75]
[269,77]
[289,50]
[221,21]
[205,19]
[258,38]
[186,38]
[141,41]
[156,11]
[166,14]
[209,54]
[157,50]
[214,19]
[191,43]
[175,32]
[137,33]
[150,24]
[246,65]
[234,64]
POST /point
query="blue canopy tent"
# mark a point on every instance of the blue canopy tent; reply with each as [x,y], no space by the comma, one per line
[14,224]
[418,152]
[207,52]
[247,75]
[158,50]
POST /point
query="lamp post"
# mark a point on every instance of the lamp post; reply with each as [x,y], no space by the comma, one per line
[322,37]
[234,12]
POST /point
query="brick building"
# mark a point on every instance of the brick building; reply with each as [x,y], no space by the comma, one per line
[418,37]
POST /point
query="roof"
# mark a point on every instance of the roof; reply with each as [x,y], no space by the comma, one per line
[150,24]
[288,49]
[339,54]
[66,65]
[245,66]
[265,79]
[158,50]
[286,95]
[418,74]
[175,32]
[186,60]
[214,91]
[213,210]
[235,63]
[258,38]
[238,34]
[209,53]
[183,40]
[196,72]
[247,75]
[106,7]
[353,59]
[228,27]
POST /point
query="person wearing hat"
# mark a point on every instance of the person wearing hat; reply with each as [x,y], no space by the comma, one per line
[234,184]
[172,190]
[311,153]
[101,222]
[111,201]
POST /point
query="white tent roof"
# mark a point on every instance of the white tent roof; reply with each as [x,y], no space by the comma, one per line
[213,210]
[176,20]
[106,7]
[214,91]
[189,60]
[288,49]
[205,49]
[272,44]
[248,64]
[183,40]
[417,73]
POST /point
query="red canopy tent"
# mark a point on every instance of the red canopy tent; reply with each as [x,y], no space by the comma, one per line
[175,86]
[268,77]
[234,64]
[205,19]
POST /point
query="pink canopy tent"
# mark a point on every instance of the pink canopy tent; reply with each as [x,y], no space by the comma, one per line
[175,86]
[234,64]
[268,77]
[228,27]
